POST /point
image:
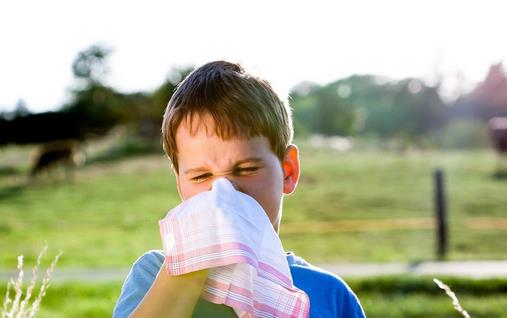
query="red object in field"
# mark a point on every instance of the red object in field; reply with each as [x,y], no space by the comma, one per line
[498,131]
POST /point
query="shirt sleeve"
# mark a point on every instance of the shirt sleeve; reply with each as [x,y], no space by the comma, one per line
[330,296]
[350,305]
[138,282]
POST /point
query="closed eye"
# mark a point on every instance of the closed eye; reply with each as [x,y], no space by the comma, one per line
[236,172]
[245,170]
[201,177]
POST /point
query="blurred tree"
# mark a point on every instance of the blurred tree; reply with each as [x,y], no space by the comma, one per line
[321,110]
[367,105]
[97,106]
[335,115]
[405,109]
[303,104]
[487,100]
[163,93]
[417,110]
[91,65]
[21,109]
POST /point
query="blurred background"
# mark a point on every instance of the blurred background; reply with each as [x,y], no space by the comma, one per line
[384,94]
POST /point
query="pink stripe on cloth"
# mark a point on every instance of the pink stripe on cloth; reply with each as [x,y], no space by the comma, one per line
[180,269]
[228,232]
[278,305]
[236,252]
[235,289]
[273,271]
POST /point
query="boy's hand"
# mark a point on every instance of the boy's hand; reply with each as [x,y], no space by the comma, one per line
[172,296]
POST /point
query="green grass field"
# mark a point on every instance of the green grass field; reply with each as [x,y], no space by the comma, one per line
[394,297]
[356,206]
[343,210]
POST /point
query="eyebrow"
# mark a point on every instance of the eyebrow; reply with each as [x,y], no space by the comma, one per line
[202,169]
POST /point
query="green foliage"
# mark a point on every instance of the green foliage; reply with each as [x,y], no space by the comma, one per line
[304,113]
[406,284]
[406,110]
[417,296]
[420,305]
[335,116]
[404,113]
[464,134]
[90,64]
[324,112]
[163,93]
[97,107]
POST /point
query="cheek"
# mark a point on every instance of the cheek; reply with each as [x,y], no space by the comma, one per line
[188,189]
[267,191]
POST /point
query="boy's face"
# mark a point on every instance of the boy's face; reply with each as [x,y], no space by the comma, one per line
[249,164]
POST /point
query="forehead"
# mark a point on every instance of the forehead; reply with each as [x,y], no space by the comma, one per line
[199,125]
[193,124]
[220,124]
[197,139]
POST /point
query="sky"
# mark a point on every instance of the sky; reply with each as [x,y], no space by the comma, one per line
[286,41]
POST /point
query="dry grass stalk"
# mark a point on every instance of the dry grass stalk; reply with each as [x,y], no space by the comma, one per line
[7,301]
[33,281]
[19,284]
[17,308]
[454,298]
[45,286]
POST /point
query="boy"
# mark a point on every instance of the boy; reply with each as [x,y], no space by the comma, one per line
[224,122]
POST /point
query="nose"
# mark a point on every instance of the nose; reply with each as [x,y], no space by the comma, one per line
[234,184]
[230,179]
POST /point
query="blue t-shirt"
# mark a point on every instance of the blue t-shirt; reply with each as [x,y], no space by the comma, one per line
[329,295]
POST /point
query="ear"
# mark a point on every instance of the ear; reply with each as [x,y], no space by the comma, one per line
[290,166]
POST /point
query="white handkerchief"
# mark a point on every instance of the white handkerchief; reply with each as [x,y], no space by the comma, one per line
[229,232]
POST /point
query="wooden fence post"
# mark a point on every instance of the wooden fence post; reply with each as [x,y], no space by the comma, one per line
[440,214]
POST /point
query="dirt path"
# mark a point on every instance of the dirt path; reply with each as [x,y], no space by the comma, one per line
[378,225]
[473,269]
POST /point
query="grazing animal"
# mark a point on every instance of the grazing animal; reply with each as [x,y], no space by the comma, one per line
[498,131]
[53,155]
